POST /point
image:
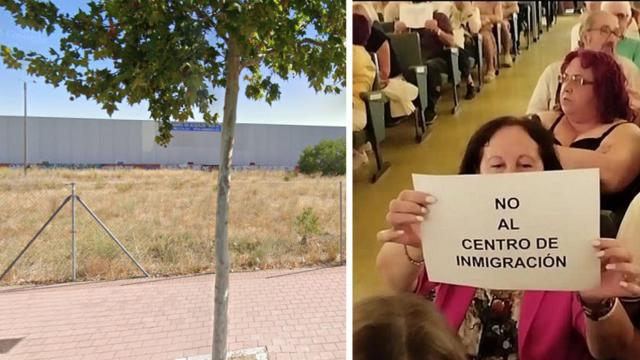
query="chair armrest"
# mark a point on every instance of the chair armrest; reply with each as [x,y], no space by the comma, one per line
[374,96]
[454,70]
[375,102]
[417,75]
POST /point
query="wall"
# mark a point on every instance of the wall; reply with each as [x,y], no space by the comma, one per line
[102,141]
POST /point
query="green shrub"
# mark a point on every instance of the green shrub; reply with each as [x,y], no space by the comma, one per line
[328,157]
[307,224]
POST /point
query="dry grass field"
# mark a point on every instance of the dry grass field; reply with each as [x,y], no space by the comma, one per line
[166,219]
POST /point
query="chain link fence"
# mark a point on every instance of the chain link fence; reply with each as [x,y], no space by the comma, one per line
[166,220]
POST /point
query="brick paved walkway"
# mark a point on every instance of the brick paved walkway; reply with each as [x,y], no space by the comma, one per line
[296,314]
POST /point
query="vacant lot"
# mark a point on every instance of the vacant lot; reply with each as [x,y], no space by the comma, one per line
[166,219]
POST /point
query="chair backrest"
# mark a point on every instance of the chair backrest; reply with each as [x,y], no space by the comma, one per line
[407,49]
[387,27]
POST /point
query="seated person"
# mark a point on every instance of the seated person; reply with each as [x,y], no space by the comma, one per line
[380,324]
[465,22]
[627,47]
[391,12]
[583,324]
[400,92]
[508,9]
[523,21]
[623,10]
[436,35]
[491,13]
[544,95]
[590,7]
[591,126]
[364,72]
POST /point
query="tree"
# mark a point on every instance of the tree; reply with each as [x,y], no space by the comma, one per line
[328,157]
[173,53]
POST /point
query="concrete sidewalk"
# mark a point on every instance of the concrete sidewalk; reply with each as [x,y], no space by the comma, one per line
[296,314]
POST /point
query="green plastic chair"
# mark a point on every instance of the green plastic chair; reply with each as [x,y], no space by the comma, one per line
[387,27]
[407,49]
[374,130]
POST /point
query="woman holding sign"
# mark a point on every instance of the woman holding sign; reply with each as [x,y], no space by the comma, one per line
[512,324]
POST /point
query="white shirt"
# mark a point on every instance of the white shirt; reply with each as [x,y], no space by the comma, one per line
[391,11]
[575,36]
[544,94]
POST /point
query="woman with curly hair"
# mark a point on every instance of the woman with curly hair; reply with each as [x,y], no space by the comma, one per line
[591,126]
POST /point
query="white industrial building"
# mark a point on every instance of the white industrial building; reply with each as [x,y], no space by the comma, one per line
[68,141]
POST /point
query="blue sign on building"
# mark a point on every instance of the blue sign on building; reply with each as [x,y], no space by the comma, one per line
[178,126]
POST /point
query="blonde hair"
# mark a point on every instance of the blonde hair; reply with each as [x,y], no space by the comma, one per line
[402,327]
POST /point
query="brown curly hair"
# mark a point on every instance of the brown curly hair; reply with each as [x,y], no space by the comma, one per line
[610,83]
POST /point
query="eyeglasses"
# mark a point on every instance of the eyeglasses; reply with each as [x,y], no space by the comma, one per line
[574,79]
[622,16]
[607,31]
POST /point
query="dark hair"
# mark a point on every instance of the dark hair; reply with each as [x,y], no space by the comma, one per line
[402,327]
[610,83]
[361,30]
[475,148]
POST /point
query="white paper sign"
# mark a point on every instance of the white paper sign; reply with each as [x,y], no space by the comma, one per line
[517,231]
[414,15]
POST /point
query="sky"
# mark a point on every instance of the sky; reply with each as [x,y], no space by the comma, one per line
[298,103]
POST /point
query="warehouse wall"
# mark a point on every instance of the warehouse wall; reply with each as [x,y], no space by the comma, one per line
[100,141]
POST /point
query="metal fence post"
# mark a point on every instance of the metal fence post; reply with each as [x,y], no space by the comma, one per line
[74,268]
[341,246]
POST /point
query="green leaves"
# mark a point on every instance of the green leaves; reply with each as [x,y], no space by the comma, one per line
[171,54]
[328,157]
[9,58]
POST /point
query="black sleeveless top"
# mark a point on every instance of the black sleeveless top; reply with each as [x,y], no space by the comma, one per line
[616,202]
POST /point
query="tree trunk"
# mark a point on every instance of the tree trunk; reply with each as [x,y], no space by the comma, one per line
[222,245]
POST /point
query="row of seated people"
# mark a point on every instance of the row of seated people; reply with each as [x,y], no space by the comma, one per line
[586,121]
[590,100]
[461,35]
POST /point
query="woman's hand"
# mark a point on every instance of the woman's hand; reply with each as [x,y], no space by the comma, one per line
[619,274]
[431,25]
[405,215]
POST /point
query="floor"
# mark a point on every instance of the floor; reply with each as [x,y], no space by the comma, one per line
[296,314]
[442,150]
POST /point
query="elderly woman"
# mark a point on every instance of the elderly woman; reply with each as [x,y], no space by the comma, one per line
[556,324]
[591,127]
